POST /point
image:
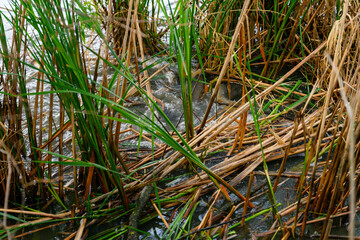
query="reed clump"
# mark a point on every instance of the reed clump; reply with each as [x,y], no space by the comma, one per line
[70,75]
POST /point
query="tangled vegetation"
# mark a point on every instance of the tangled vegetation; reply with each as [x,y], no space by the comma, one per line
[76,152]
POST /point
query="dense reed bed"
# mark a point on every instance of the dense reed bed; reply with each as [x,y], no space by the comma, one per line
[76,152]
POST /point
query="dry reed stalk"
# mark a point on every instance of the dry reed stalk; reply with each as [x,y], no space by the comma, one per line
[248,192]
[197,194]
[287,151]
[42,220]
[54,216]
[158,211]
[38,230]
[89,178]
[7,190]
[141,46]
[73,145]
[70,236]
[80,231]
[225,228]
[284,174]
[36,103]
[207,214]
[61,172]
[50,129]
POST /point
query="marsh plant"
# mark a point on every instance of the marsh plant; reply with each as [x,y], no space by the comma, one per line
[72,71]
